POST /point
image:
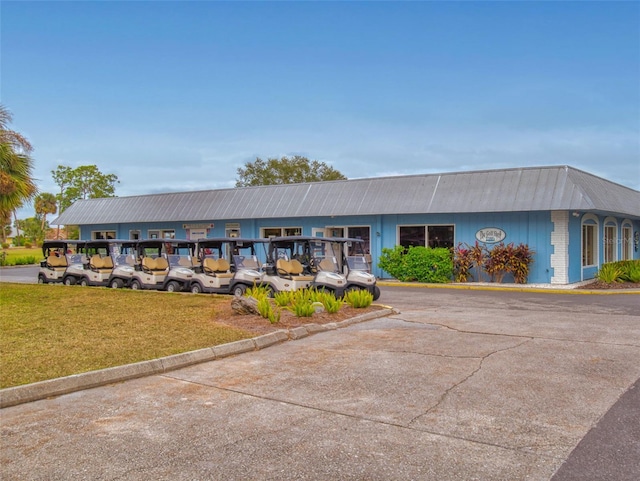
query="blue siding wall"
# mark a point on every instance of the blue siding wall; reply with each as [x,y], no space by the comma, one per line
[531,228]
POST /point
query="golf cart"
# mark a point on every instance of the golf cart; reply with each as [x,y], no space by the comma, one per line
[163,264]
[246,264]
[106,263]
[123,255]
[298,262]
[355,266]
[215,273]
[59,255]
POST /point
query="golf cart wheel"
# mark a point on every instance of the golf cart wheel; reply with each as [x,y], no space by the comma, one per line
[84,282]
[173,286]
[376,293]
[42,279]
[196,288]
[135,285]
[116,284]
[239,290]
[69,281]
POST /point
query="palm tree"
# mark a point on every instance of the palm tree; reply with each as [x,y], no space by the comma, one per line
[16,182]
[15,140]
[45,203]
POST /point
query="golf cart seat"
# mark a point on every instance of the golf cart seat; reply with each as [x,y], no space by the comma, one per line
[292,269]
[57,263]
[149,264]
[216,267]
[100,264]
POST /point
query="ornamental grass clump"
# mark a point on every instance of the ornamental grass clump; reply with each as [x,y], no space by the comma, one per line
[267,311]
[630,271]
[329,301]
[283,298]
[302,308]
[358,298]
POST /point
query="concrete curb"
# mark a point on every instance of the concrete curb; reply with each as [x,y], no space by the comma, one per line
[13,396]
[511,288]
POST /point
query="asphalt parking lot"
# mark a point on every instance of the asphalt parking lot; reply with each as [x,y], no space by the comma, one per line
[460,385]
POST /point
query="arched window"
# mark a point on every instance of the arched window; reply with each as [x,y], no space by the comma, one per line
[589,240]
[627,240]
[610,240]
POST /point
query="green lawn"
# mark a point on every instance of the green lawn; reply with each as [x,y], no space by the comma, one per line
[49,331]
[21,255]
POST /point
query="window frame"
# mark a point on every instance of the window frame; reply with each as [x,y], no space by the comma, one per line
[626,243]
[589,223]
[426,242]
[284,231]
[610,240]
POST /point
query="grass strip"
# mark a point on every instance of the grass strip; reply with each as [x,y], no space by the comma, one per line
[49,331]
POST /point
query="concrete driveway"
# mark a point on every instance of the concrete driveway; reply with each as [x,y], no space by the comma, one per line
[461,385]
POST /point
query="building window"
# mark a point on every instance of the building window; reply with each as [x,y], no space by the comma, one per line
[104,234]
[427,236]
[627,242]
[354,232]
[162,234]
[440,236]
[589,244]
[280,231]
[610,243]
[412,236]
[134,234]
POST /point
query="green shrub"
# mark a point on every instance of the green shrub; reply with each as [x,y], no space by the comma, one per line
[3,259]
[630,271]
[621,271]
[5,245]
[358,298]
[24,261]
[418,263]
[610,273]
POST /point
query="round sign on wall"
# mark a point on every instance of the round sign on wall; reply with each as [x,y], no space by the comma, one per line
[491,235]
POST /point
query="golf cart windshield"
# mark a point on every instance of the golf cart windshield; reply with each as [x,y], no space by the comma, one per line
[358,263]
[246,262]
[323,256]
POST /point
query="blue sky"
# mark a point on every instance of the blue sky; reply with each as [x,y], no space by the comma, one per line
[175,96]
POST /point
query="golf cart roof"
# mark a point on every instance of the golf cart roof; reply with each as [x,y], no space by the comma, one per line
[299,238]
[214,241]
[344,239]
[61,243]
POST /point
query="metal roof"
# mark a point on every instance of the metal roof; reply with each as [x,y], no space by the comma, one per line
[506,190]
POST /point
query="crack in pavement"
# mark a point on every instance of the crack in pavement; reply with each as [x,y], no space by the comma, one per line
[520,336]
[356,417]
[465,379]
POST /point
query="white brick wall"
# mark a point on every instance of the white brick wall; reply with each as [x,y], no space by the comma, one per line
[560,244]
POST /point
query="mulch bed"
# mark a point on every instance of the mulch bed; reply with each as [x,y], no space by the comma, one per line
[259,325]
[611,285]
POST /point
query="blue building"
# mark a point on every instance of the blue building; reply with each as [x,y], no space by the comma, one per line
[573,220]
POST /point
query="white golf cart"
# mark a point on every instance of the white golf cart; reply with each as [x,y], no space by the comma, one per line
[216,274]
[163,264]
[59,256]
[355,266]
[106,263]
[298,262]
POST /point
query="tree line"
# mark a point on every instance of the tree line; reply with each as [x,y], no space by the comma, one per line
[18,187]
